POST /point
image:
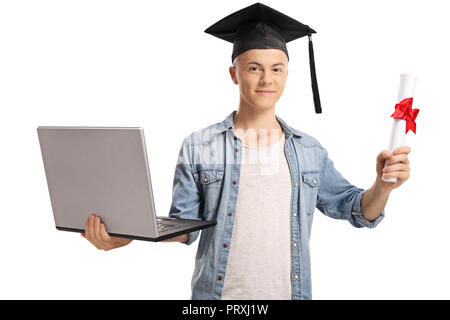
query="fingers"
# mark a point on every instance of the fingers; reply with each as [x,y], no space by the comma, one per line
[103,234]
[399,158]
[385,154]
[87,233]
[402,175]
[90,227]
[396,167]
[99,237]
[403,149]
[97,228]
[92,233]
[95,232]
[394,164]
[398,153]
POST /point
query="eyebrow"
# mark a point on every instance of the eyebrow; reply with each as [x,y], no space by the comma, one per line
[259,64]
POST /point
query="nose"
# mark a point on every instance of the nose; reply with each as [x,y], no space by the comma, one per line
[266,78]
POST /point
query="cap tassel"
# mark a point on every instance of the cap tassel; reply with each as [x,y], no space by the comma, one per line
[314,86]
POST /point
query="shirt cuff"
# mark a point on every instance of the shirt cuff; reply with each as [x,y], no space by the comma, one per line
[358,218]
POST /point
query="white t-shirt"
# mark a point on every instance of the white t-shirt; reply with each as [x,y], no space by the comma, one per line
[259,261]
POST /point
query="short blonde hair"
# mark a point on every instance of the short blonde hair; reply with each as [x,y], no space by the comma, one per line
[235,62]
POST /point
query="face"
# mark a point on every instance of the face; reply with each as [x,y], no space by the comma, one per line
[261,75]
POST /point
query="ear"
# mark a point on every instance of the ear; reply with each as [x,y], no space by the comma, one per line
[233,75]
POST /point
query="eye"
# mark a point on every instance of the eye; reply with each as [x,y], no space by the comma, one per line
[253,68]
[277,70]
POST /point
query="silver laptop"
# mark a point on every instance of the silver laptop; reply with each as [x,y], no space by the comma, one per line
[104,171]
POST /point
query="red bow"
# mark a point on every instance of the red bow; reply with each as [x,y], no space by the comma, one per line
[404,111]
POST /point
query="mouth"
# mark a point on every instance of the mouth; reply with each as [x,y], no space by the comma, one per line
[265,92]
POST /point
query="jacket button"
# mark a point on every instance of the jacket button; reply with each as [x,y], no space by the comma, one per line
[224,245]
[219,278]
[234,182]
[230,214]
[237,149]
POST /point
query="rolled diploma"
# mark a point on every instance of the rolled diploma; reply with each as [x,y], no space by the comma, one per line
[397,139]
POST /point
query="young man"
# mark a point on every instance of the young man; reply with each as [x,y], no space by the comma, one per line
[263,204]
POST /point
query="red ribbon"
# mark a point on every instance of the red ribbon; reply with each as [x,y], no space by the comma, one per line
[404,111]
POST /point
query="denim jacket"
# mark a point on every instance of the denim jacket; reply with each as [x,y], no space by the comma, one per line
[206,185]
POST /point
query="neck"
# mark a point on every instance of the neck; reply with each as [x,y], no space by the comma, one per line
[256,126]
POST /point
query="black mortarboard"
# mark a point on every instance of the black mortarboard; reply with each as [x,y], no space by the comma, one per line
[261,27]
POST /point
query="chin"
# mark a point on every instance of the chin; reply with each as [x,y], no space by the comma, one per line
[263,106]
[264,103]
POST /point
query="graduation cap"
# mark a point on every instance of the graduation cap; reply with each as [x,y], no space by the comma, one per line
[261,27]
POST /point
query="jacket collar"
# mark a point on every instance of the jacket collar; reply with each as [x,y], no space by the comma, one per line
[228,124]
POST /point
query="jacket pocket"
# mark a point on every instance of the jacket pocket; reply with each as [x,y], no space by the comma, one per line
[211,183]
[208,176]
[310,184]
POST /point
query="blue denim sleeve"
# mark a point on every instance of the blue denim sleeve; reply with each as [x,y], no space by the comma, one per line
[358,219]
[339,199]
[186,200]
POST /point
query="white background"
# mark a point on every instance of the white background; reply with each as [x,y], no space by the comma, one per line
[149,64]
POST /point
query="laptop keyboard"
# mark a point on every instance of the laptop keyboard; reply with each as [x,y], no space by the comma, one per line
[163,226]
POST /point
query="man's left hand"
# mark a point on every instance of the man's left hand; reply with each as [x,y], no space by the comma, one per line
[397,165]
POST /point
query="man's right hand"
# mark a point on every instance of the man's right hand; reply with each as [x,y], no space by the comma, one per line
[95,232]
